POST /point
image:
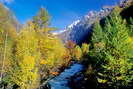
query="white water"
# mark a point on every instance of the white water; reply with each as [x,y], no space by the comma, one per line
[61,81]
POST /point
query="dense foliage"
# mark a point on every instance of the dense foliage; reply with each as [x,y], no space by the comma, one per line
[111,52]
[30,56]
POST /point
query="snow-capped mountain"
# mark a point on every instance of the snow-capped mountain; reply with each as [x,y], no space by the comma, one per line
[67,28]
[73,24]
[80,28]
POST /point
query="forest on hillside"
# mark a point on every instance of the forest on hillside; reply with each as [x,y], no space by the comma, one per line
[30,55]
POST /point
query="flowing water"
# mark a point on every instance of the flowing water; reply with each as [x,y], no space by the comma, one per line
[61,81]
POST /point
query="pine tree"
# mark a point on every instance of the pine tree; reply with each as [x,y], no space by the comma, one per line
[97,32]
[98,42]
[117,56]
[130,25]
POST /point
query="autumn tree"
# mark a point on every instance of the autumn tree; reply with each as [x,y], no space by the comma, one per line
[48,44]
[85,48]
[25,70]
[8,21]
[77,53]
[7,39]
[31,54]
[41,20]
[6,55]
[52,51]
[70,45]
[66,57]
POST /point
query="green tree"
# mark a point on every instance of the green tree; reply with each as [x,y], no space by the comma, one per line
[130,27]
[116,51]
[97,32]
[98,42]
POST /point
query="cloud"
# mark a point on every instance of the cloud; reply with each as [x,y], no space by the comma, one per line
[6,1]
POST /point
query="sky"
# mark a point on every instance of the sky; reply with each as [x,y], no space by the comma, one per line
[62,12]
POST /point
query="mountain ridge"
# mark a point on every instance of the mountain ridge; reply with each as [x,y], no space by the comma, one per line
[79,29]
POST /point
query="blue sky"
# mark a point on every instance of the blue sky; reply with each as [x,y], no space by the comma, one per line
[62,12]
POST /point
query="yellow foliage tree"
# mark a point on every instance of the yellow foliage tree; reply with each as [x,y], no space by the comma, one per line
[85,48]
[77,53]
[52,51]
[51,48]
[25,73]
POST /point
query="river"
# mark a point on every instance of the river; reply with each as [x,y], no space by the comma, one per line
[61,81]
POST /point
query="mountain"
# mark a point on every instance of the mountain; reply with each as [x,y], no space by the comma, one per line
[79,29]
